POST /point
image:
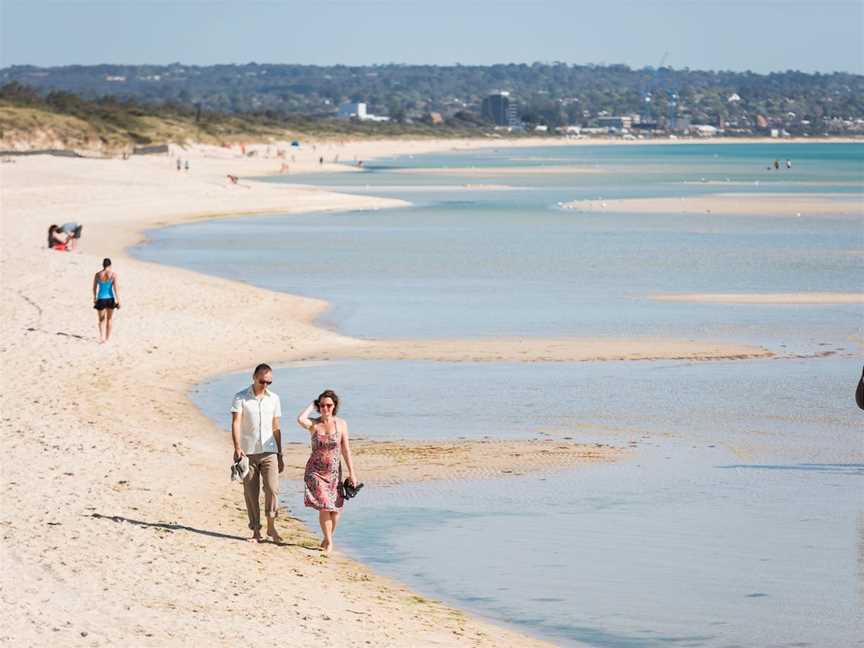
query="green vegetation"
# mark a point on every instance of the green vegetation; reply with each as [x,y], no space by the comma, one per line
[108,123]
[552,94]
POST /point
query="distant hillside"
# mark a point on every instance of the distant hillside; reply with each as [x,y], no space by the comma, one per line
[551,94]
[29,120]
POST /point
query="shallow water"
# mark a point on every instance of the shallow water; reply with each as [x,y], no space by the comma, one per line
[739,518]
[766,411]
[510,263]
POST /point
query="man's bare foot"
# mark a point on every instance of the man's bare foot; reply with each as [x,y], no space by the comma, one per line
[326,548]
[273,534]
[256,537]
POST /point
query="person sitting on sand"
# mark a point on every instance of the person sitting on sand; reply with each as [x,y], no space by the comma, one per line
[323,473]
[255,432]
[57,239]
[106,297]
[73,232]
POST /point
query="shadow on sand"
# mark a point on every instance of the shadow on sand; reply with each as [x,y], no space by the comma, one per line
[182,527]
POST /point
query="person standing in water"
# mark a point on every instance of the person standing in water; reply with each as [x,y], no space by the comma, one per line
[323,473]
[106,297]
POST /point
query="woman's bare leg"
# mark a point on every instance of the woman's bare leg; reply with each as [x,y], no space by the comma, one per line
[110,312]
[326,523]
[101,314]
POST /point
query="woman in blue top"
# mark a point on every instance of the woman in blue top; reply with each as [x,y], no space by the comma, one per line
[106,297]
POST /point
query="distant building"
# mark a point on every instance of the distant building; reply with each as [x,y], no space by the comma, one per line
[704,130]
[357,110]
[350,109]
[682,123]
[618,123]
[646,125]
[436,118]
[499,109]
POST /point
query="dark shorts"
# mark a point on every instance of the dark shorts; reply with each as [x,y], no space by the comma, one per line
[102,304]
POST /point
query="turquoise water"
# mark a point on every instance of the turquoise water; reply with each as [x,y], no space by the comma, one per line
[738,520]
[486,263]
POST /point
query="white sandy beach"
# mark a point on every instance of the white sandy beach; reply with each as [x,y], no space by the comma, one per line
[119,524]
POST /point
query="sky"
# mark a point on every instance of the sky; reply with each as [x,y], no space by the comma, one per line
[757,35]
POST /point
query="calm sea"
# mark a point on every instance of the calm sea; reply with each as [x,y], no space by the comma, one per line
[738,520]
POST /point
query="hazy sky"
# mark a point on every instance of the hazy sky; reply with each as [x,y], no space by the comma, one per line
[760,35]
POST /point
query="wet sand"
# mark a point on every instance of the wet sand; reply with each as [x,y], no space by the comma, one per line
[746,204]
[764,298]
[543,350]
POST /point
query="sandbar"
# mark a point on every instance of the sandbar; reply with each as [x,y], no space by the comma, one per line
[542,350]
[824,298]
[743,204]
[500,171]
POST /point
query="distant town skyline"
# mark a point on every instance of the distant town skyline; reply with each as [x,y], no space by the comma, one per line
[762,36]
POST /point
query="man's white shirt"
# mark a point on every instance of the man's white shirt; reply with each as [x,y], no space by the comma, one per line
[256,420]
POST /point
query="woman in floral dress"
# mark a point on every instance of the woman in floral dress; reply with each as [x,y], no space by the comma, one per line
[324,469]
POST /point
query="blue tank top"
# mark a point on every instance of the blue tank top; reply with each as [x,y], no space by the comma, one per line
[106,289]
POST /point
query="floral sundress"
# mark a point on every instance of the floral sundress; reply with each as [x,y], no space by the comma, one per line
[324,473]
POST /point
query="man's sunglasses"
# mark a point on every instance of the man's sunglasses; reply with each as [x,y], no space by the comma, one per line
[265,382]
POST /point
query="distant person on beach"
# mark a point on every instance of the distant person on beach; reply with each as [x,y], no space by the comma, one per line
[57,239]
[776,164]
[788,164]
[256,434]
[73,231]
[179,164]
[323,474]
[106,298]
[186,165]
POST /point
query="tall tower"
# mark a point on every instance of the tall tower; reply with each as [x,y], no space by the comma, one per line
[499,109]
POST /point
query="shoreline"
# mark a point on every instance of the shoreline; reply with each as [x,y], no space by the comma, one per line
[433,143]
[134,481]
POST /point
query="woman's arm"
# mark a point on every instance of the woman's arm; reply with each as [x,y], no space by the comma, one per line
[346,452]
[95,286]
[116,289]
[303,419]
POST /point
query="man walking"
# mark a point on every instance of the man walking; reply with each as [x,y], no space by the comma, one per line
[255,432]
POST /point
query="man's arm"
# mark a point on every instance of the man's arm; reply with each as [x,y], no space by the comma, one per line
[235,434]
[277,435]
